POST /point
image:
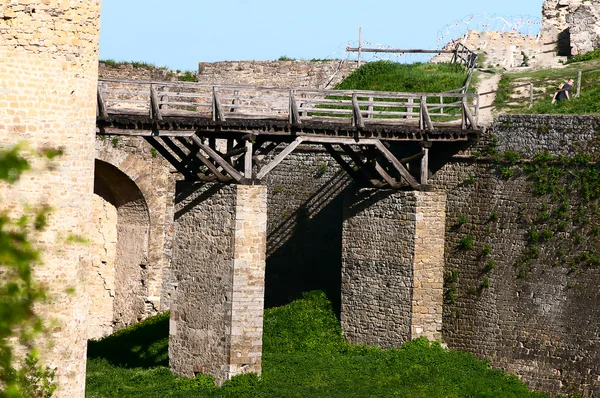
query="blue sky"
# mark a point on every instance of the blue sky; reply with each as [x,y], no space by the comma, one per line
[181,33]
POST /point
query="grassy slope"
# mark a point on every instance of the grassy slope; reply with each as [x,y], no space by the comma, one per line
[589,102]
[304,356]
[390,76]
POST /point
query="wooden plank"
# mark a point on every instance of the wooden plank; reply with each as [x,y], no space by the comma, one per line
[248,160]
[384,174]
[398,51]
[399,167]
[347,168]
[195,151]
[217,110]
[220,161]
[279,158]
[425,166]
[154,106]
[357,119]
[294,114]
[101,103]
[426,118]
[469,116]
[144,133]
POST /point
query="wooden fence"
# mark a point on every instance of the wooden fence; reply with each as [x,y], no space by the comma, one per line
[159,100]
[578,87]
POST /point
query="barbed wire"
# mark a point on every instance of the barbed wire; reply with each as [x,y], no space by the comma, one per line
[450,33]
[523,24]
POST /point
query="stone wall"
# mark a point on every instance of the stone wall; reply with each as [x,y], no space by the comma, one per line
[305,226]
[140,185]
[218,262]
[519,302]
[101,276]
[496,48]
[584,28]
[48,75]
[306,74]
[392,267]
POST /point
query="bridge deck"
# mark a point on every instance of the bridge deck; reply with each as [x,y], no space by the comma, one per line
[263,125]
[181,109]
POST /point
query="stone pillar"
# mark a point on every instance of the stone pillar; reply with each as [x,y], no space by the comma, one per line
[219,265]
[392,267]
[428,265]
[48,79]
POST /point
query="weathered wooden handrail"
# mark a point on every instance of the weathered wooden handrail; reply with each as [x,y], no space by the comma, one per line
[222,102]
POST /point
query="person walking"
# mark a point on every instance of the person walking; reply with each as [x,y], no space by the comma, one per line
[565,92]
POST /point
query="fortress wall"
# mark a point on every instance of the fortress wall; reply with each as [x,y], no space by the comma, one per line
[151,175]
[307,74]
[48,75]
[292,74]
[533,312]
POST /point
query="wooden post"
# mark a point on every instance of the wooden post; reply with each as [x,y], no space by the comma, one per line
[370,115]
[357,119]
[236,100]
[425,165]
[164,98]
[578,93]
[530,95]
[248,161]
[101,102]
[477,106]
[410,109]
[359,45]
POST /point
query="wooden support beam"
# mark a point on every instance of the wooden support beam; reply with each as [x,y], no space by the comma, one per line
[154,107]
[217,110]
[397,165]
[388,178]
[248,161]
[425,166]
[101,103]
[426,120]
[234,152]
[220,161]
[342,162]
[357,119]
[362,166]
[209,165]
[468,114]
[294,113]
[279,158]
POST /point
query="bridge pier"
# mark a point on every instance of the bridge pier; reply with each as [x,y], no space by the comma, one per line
[219,267]
[392,266]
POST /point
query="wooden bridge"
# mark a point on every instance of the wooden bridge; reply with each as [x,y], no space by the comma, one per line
[240,133]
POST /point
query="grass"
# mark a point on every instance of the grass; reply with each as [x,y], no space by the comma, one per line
[389,76]
[588,103]
[303,356]
[396,77]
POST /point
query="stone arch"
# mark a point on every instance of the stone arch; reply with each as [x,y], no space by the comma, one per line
[128,276]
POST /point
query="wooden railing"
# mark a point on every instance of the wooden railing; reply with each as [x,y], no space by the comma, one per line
[159,100]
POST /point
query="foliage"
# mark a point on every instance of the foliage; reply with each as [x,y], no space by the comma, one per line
[19,324]
[466,243]
[187,76]
[588,56]
[396,77]
[285,58]
[304,356]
